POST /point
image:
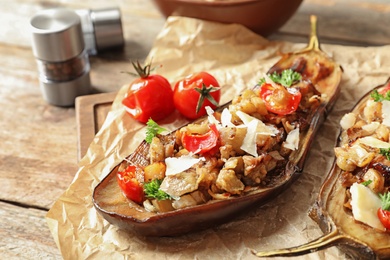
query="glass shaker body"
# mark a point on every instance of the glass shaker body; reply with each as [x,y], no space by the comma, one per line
[63,70]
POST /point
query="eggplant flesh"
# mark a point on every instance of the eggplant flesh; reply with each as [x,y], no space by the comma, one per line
[356,239]
[317,69]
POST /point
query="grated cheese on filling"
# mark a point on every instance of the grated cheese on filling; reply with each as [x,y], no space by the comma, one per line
[292,140]
[180,164]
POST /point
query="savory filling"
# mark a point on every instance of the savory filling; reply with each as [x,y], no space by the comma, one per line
[244,147]
[364,157]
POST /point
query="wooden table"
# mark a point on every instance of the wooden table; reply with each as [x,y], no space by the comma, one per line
[39,142]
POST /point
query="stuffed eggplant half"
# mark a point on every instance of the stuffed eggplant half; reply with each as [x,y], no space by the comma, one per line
[241,154]
[353,207]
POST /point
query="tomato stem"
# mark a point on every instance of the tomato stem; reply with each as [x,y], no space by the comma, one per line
[142,71]
[205,93]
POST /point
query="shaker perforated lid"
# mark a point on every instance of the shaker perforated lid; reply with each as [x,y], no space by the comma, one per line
[108,28]
[56,34]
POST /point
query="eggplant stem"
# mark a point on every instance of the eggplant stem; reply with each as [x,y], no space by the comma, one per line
[314,43]
[320,243]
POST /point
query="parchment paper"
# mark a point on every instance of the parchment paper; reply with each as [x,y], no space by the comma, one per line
[237,58]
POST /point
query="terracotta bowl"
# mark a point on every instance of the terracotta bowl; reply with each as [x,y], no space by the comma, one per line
[261,16]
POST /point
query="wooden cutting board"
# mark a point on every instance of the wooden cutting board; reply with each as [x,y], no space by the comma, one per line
[91,111]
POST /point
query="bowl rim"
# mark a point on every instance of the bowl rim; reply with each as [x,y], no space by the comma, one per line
[216,2]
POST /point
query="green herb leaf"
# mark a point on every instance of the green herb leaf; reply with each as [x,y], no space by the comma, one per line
[152,130]
[379,97]
[385,152]
[366,183]
[385,198]
[287,78]
[152,190]
[261,81]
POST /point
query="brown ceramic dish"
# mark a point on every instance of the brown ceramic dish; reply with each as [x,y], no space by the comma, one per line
[261,16]
[115,208]
[355,238]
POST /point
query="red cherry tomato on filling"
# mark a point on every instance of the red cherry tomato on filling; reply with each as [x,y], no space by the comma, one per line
[192,94]
[201,143]
[130,186]
[149,96]
[384,211]
[384,217]
[385,89]
[279,100]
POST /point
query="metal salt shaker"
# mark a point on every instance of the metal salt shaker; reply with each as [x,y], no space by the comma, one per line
[59,48]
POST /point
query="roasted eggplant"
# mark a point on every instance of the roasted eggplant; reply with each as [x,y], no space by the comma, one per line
[319,72]
[342,214]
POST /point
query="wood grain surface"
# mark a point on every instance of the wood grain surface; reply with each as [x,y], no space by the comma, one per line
[39,142]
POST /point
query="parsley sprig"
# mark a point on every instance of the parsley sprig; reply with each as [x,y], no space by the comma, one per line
[385,199]
[380,97]
[152,190]
[366,183]
[385,152]
[287,78]
[152,129]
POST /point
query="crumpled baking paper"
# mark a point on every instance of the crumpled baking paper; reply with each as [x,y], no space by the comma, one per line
[237,58]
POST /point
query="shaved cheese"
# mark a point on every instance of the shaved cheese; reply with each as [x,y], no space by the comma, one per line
[254,127]
[365,204]
[226,118]
[180,164]
[386,112]
[211,117]
[371,127]
[249,143]
[348,120]
[373,142]
[245,118]
[292,140]
[261,127]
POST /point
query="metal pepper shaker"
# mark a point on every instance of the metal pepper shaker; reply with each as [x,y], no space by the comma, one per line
[59,48]
[102,29]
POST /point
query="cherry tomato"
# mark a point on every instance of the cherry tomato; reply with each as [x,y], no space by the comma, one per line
[192,94]
[384,211]
[385,89]
[149,96]
[279,100]
[130,186]
[384,217]
[201,143]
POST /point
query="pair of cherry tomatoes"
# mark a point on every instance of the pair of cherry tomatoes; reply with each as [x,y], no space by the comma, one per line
[151,96]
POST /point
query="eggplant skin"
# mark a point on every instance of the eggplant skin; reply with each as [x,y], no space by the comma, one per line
[356,239]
